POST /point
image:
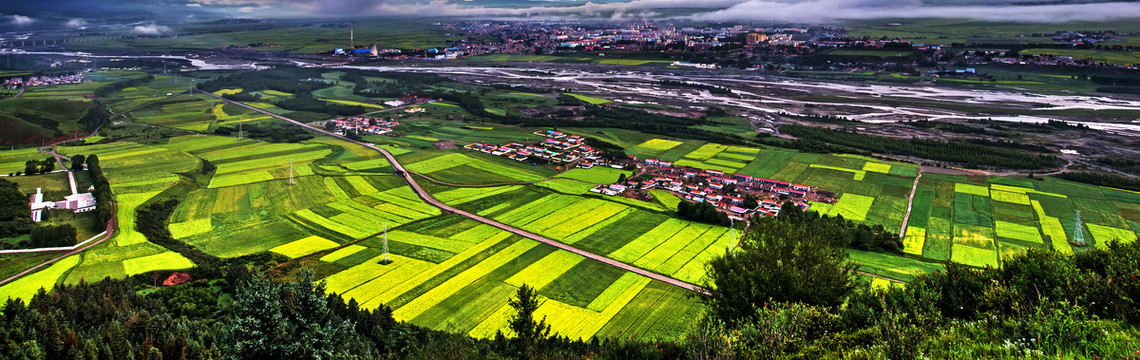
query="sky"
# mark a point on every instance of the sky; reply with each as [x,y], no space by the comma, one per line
[807,11]
[21,13]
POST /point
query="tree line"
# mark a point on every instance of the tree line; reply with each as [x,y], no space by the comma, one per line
[33,167]
[1101,179]
[966,153]
[702,212]
[102,193]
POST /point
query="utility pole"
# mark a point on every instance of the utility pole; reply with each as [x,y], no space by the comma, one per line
[385,260]
[732,233]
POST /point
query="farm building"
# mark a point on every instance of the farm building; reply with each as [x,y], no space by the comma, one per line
[77,203]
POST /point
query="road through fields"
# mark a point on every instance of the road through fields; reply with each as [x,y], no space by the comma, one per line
[447,208]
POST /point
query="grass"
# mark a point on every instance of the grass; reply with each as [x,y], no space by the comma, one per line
[546,270]
[859,174]
[439,293]
[190,228]
[596,175]
[647,242]
[914,240]
[566,186]
[706,151]
[342,253]
[313,220]
[126,205]
[479,170]
[971,189]
[653,147]
[1105,234]
[465,195]
[852,207]
[891,266]
[590,99]
[1017,232]
[164,261]
[304,247]
[969,255]
[27,286]
[593,229]
[1097,56]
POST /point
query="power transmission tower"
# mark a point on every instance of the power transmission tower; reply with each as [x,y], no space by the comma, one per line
[1078,231]
[239,126]
[290,171]
[385,260]
[732,233]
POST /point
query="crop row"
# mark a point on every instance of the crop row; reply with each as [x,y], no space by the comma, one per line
[545,270]
[305,246]
[439,293]
[164,261]
[333,225]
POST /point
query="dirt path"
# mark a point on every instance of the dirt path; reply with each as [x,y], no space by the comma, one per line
[426,197]
[910,203]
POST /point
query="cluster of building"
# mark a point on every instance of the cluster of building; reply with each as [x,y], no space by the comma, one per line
[409,100]
[16,83]
[558,147]
[569,36]
[725,191]
[77,203]
[362,124]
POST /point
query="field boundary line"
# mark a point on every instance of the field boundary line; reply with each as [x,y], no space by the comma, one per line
[447,208]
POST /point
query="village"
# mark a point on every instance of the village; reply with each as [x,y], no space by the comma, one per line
[558,147]
[361,125]
[741,196]
[16,83]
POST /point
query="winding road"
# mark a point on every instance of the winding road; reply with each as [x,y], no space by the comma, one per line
[426,197]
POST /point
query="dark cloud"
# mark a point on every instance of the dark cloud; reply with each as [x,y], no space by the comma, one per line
[717,10]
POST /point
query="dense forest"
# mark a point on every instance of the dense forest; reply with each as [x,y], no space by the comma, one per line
[14,219]
[970,154]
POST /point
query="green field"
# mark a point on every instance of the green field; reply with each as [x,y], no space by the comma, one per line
[590,99]
[331,205]
[972,221]
[465,290]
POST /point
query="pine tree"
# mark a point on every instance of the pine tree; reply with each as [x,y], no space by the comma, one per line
[530,334]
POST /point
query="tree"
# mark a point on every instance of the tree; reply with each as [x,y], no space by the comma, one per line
[529,333]
[77,162]
[779,261]
[290,320]
[621,178]
[48,165]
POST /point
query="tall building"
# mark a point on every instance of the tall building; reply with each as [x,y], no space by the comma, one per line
[756,38]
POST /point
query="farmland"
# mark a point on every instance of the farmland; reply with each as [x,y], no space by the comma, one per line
[979,221]
[463,284]
[332,206]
